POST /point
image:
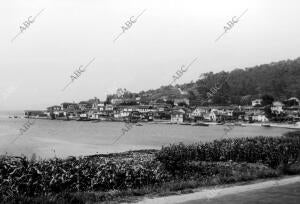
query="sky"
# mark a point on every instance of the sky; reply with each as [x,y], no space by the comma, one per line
[67,34]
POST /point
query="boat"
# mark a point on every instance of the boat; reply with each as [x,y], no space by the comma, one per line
[240,124]
[83,119]
[200,124]
[203,124]
[139,124]
[184,124]
[265,125]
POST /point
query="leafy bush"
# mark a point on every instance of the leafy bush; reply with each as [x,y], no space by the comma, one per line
[21,177]
[272,151]
[294,135]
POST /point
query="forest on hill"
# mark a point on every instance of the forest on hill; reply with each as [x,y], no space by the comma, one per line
[280,80]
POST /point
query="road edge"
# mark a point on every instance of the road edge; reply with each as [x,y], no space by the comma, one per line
[219,191]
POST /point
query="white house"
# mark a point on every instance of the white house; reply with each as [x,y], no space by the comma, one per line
[277,107]
[121,114]
[256,102]
[109,107]
[144,109]
[213,115]
[260,118]
[199,112]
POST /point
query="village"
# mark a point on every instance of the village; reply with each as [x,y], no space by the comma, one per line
[177,111]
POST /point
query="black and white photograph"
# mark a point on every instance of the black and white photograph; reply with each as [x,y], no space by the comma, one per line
[150,101]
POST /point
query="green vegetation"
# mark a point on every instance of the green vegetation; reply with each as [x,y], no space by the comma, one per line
[126,176]
[280,80]
[271,151]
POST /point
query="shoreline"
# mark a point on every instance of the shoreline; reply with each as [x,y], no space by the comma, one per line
[275,125]
[168,122]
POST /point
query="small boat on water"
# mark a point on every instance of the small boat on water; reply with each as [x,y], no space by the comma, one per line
[203,124]
[139,124]
[184,124]
[83,119]
[200,124]
[265,125]
[239,124]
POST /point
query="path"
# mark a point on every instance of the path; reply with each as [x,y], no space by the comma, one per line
[285,190]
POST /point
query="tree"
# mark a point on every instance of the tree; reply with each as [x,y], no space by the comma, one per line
[267,100]
[268,112]
[160,100]
[182,104]
[280,79]
[170,102]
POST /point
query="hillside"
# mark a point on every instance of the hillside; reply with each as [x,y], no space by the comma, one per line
[280,80]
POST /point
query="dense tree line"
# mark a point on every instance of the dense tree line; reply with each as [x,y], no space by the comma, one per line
[280,80]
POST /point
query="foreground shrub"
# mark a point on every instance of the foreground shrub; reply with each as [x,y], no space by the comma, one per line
[272,151]
[293,135]
[210,174]
[19,176]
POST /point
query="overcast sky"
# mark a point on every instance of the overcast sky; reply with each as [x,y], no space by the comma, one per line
[37,65]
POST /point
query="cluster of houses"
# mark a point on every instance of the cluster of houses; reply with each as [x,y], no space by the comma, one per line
[120,109]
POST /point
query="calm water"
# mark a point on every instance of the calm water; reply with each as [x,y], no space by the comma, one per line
[49,138]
